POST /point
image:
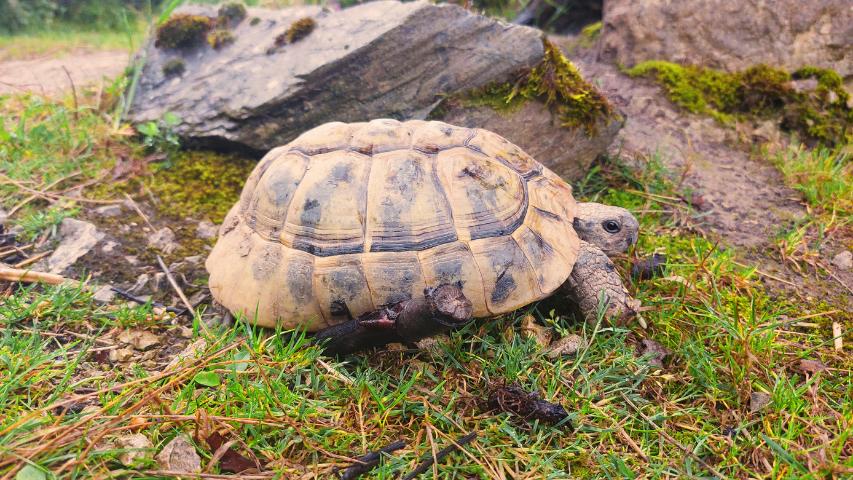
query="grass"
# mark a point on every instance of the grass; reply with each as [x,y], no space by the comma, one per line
[823,175]
[47,148]
[65,407]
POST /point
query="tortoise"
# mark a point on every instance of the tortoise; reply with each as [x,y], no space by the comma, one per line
[349,217]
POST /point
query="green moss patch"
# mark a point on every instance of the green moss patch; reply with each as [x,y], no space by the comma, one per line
[199,184]
[231,14]
[554,82]
[819,115]
[220,38]
[296,31]
[175,66]
[183,31]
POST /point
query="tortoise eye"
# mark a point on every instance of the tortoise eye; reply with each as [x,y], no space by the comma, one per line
[611,226]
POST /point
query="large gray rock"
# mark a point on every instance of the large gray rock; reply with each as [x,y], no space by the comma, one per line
[731,35]
[375,60]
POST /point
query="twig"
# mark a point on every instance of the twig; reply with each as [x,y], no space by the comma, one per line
[142,301]
[139,211]
[837,336]
[368,462]
[15,249]
[55,196]
[29,276]
[765,274]
[33,259]
[670,439]
[175,286]
[73,92]
[429,461]
[32,197]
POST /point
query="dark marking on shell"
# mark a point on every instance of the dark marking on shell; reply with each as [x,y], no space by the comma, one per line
[311,211]
[504,286]
[341,173]
[428,149]
[328,248]
[448,271]
[392,244]
[547,214]
[299,281]
[267,263]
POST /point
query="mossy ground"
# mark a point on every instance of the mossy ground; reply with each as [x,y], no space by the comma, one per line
[822,115]
[554,82]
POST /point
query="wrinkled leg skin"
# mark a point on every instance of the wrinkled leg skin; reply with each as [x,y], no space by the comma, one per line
[443,308]
[593,274]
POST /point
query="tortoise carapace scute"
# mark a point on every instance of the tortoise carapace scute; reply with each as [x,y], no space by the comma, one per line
[350,217]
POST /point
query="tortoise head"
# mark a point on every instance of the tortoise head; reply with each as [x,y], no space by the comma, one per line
[612,229]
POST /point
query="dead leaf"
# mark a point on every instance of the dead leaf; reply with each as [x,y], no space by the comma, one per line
[649,267]
[527,405]
[135,446]
[677,279]
[757,401]
[121,354]
[190,351]
[533,330]
[179,455]
[811,366]
[231,461]
[568,345]
[139,339]
[654,350]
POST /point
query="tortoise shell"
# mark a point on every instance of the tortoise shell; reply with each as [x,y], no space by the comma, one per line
[349,217]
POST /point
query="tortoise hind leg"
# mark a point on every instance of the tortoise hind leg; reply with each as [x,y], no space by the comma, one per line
[593,275]
[442,308]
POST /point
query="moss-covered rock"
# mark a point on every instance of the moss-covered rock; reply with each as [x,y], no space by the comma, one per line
[219,38]
[820,115]
[297,31]
[554,82]
[183,31]
[231,14]
[174,67]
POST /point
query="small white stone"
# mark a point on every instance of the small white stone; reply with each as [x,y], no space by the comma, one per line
[844,260]
[163,240]
[78,238]
[104,294]
[108,210]
[206,230]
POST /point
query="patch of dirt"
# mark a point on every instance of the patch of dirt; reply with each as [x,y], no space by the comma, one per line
[739,200]
[47,75]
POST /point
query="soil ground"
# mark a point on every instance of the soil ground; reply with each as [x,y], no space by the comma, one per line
[49,75]
[740,199]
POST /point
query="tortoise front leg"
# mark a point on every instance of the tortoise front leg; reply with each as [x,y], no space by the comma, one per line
[442,308]
[593,275]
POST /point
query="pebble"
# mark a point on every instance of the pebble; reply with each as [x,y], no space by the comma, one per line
[108,211]
[163,240]
[206,230]
[78,238]
[844,260]
[104,294]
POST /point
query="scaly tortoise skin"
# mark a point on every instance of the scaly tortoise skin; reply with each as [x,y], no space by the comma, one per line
[350,217]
